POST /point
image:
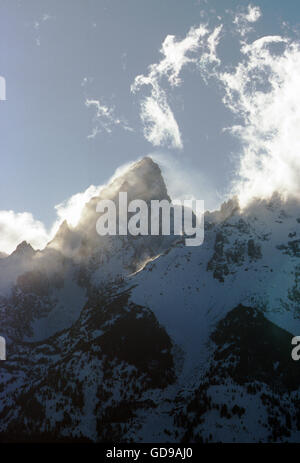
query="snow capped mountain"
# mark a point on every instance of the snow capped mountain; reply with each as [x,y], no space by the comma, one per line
[54,281]
[143,338]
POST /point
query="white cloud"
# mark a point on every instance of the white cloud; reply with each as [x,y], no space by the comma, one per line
[160,125]
[244,19]
[210,56]
[253,14]
[17,227]
[176,55]
[71,209]
[263,92]
[104,118]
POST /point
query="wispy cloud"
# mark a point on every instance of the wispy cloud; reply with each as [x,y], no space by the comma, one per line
[16,227]
[183,181]
[244,19]
[37,26]
[253,14]
[105,118]
[160,125]
[263,91]
[71,209]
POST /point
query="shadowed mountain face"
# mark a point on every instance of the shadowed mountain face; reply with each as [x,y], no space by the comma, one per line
[145,339]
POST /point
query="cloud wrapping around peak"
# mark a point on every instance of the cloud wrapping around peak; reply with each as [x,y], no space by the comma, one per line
[17,227]
[71,209]
[262,92]
[159,122]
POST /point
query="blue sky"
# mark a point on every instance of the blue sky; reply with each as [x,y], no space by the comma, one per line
[72,116]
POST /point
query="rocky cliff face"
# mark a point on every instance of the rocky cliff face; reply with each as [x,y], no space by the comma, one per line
[143,338]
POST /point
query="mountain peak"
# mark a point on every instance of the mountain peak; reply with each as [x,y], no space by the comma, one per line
[142,180]
[66,239]
[227,210]
[23,249]
[146,165]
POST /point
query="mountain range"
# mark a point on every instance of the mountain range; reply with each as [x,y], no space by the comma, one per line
[144,339]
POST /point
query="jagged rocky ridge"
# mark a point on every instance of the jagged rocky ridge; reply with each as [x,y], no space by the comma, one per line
[128,339]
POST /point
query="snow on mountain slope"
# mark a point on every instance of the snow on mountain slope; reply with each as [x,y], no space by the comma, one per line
[86,382]
[68,301]
[250,257]
[76,258]
[144,338]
